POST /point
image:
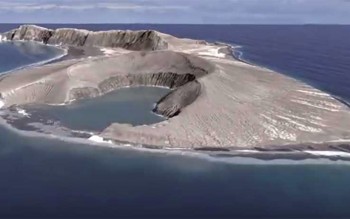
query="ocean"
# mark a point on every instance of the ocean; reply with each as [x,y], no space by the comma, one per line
[16,55]
[52,177]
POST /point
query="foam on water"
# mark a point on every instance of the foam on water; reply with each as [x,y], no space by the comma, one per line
[99,139]
[22,112]
[2,38]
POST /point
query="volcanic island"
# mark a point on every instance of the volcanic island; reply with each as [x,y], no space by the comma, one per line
[216,102]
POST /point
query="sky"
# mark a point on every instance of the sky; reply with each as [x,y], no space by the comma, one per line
[176,11]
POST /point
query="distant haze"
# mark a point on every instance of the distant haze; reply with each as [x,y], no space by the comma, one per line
[176,11]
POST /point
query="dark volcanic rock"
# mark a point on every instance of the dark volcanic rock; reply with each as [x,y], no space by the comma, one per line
[214,149]
[171,104]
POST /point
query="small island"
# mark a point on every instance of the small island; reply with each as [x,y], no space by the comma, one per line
[216,103]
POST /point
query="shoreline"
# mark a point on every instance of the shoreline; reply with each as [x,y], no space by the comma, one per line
[258,156]
[238,157]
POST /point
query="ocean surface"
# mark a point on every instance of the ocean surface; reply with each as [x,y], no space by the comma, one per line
[43,177]
[14,55]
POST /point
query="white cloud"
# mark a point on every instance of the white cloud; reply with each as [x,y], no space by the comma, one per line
[177,11]
[83,5]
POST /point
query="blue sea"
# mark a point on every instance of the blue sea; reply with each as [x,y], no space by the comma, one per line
[15,55]
[42,177]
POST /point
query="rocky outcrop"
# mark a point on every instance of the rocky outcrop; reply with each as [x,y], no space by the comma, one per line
[172,104]
[146,40]
[35,33]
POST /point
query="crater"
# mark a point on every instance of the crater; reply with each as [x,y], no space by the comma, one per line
[129,105]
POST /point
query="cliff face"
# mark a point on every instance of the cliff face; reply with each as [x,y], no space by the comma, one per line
[132,40]
[67,36]
[35,33]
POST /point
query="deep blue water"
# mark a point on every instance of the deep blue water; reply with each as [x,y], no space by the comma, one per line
[45,177]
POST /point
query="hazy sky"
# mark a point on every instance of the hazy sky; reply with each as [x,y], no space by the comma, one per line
[176,11]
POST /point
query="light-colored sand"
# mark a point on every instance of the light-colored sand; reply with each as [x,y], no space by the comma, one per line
[239,106]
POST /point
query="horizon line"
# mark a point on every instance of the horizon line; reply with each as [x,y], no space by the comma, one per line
[289,24]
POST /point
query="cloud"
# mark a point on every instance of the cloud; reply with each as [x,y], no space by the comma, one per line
[32,5]
[176,11]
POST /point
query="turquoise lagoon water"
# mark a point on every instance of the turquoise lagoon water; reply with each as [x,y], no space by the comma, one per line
[127,105]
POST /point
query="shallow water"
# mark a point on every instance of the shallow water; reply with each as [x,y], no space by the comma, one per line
[127,105]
